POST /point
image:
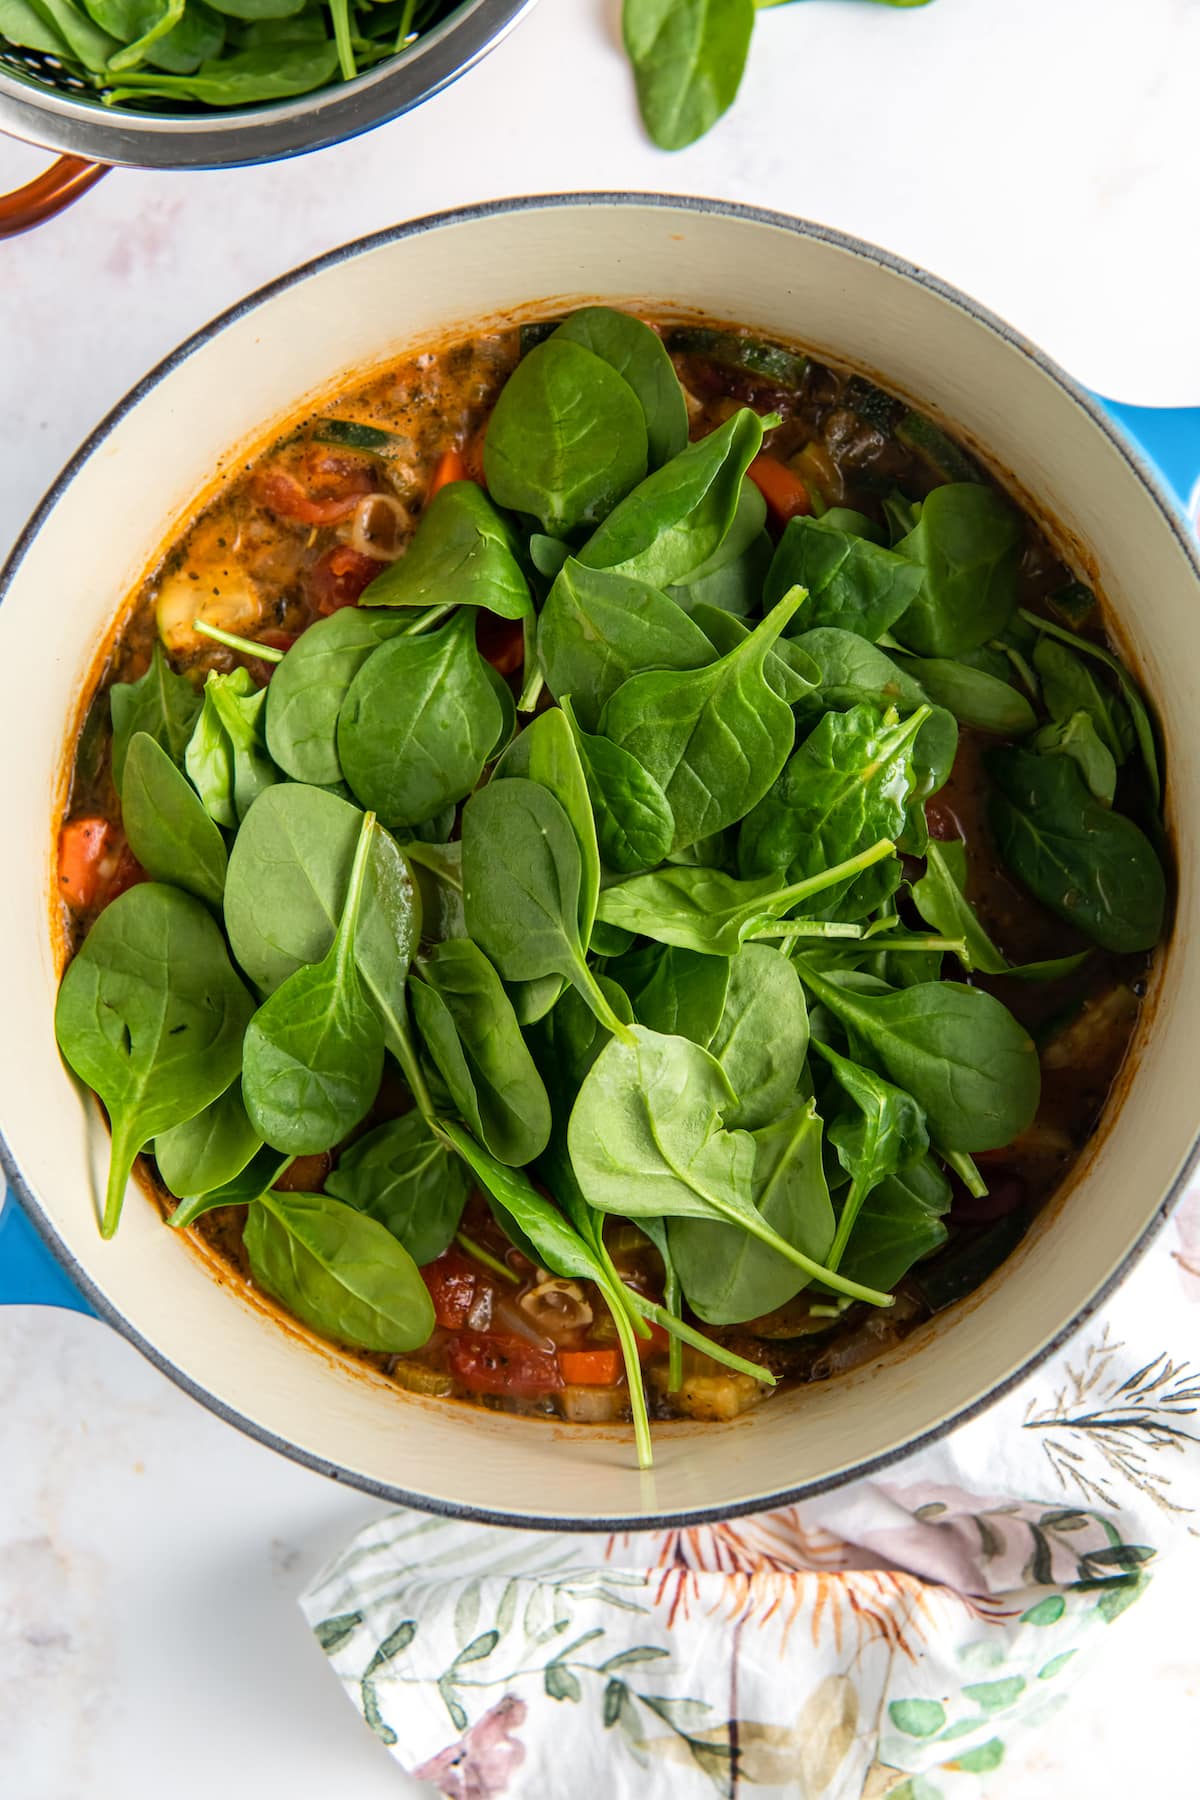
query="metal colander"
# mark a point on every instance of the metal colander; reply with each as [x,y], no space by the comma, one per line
[47,71]
[44,104]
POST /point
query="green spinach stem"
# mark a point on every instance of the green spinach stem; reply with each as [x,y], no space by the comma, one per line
[244,646]
[485,1257]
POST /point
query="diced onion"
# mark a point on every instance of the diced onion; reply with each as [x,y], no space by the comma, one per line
[479,1317]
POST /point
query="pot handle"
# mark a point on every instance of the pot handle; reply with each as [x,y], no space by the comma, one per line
[60,185]
[29,1274]
[1170,437]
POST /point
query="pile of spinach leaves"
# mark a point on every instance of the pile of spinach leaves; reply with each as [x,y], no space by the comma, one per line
[650,944]
[138,54]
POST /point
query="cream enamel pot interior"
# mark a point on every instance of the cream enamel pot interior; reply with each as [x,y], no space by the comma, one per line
[104,522]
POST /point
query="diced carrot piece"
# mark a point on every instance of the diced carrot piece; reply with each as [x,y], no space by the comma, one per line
[83,845]
[450,467]
[590,1368]
[782,489]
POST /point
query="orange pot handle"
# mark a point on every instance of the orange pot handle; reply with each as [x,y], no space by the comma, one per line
[60,185]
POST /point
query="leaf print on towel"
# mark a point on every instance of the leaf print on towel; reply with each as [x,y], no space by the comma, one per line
[1100,1430]
[752,1572]
[484,1760]
[989,1549]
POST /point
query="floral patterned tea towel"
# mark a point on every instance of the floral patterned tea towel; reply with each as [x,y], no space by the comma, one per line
[890,1638]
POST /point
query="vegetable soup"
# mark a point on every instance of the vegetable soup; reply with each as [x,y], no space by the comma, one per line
[612,869]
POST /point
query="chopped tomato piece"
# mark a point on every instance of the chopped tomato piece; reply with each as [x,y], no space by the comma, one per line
[83,846]
[502,1365]
[127,874]
[452,1282]
[501,641]
[451,466]
[590,1368]
[338,578]
[658,1342]
[321,487]
[782,489]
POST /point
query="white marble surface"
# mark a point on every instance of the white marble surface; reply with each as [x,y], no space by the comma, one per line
[1038,154]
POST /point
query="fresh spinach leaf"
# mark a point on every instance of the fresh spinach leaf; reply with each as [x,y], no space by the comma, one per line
[260,1173]
[973,696]
[409,1180]
[968,544]
[646,1141]
[471,1032]
[791,671]
[740,547]
[1139,712]
[1078,738]
[246,78]
[670,526]
[941,900]
[734,586]
[638,354]
[547,554]
[463,553]
[339,1270]
[845,788]
[961,1055]
[310,685]
[567,438]
[226,757]
[943,904]
[168,829]
[730,1276]
[634,825]
[597,629]
[687,57]
[1088,864]
[899,1223]
[852,584]
[761,1041]
[161,703]
[289,875]
[521,881]
[151,1015]
[437,870]
[680,727]
[418,723]
[313,1055]
[1072,685]
[680,993]
[853,672]
[878,1130]
[547,752]
[710,911]
[208,1150]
